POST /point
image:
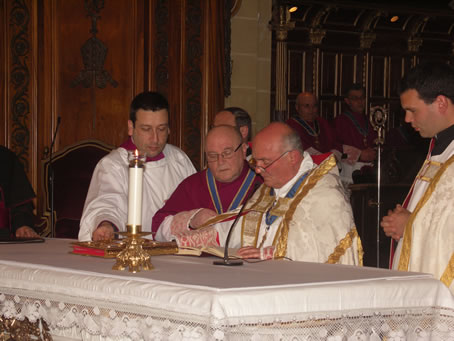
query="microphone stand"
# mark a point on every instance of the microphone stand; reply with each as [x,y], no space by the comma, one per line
[378,119]
[51,181]
[226,261]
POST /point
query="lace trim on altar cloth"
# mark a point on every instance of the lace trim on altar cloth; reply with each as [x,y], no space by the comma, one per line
[81,321]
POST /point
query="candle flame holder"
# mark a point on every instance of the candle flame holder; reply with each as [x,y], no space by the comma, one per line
[133,256]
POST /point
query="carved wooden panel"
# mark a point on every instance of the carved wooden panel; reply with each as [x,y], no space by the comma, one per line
[19,62]
[188,59]
[357,43]
[329,74]
[348,71]
[84,61]
[378,77]
[296,71]
[92,57]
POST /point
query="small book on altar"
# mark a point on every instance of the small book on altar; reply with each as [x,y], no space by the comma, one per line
[110,249]
[217,251]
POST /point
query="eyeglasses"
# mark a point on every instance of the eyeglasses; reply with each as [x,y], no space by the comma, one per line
[253,163]
[226,154]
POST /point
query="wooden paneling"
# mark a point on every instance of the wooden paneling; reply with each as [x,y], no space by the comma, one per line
[361,45]
[348,71]
[3,71]
[329,73]
[92,100]
[83,63]
[296,65]
[19,98]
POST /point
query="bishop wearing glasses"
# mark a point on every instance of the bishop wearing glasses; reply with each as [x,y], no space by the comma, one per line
[300,212]
[221,187]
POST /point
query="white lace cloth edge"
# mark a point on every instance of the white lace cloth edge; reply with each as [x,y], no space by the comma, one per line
[111,322]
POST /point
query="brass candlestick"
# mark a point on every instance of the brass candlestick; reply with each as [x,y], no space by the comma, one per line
[133,255]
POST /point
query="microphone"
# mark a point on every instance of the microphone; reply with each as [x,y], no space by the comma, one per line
[51,180]
[226,260]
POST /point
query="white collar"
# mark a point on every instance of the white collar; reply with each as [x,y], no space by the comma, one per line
[306,165]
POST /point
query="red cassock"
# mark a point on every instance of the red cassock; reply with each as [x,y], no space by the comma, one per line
[194,193]
[354,130]
[318,134]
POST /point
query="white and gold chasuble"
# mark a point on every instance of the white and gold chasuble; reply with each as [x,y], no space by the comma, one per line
[431,222]
[315,225]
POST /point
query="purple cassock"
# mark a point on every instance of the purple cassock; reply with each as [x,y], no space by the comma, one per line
[201,190]
[317,134]
[354,130]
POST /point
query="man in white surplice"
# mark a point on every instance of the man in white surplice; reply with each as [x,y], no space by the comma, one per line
[300,212]
[106,205]
[426,218]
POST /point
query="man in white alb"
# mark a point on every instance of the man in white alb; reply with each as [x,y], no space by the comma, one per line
[424,224]
[106,205]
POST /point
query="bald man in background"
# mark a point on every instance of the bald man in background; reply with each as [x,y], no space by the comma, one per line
[317,135]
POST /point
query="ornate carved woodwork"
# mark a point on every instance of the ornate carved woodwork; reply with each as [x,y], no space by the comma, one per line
[354,41]
[229,11]
[193,79]
[52,70]
[94,53]
[20,50]
[337,43]
[281,23]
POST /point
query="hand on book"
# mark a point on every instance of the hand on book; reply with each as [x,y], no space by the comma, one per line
[105,231]
[201,217]
[198,238]
[26,232]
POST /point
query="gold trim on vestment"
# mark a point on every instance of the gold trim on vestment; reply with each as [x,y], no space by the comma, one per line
[343,246]
[218,218]
[359,245]
[410,192]
[435,163]
[448,274]
[427,169]
[284,207]
[251,222]
[404,259]
[317,173]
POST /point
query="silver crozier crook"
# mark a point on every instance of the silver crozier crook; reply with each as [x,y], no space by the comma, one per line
[378,117]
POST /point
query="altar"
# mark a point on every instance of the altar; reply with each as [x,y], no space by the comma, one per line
[189,298]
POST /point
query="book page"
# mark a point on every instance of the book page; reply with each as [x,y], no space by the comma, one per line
[217,251]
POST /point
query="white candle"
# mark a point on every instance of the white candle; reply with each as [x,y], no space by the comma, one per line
[135,190]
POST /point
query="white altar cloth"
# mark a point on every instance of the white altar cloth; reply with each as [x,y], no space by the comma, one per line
[188,298]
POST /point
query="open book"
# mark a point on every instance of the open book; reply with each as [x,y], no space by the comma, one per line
[217,251]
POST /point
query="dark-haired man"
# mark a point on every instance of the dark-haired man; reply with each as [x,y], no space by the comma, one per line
[239,118]
[424,223]
[355,136]
[106,206]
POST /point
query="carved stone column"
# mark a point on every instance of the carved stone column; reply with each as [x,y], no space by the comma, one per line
[281,25]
